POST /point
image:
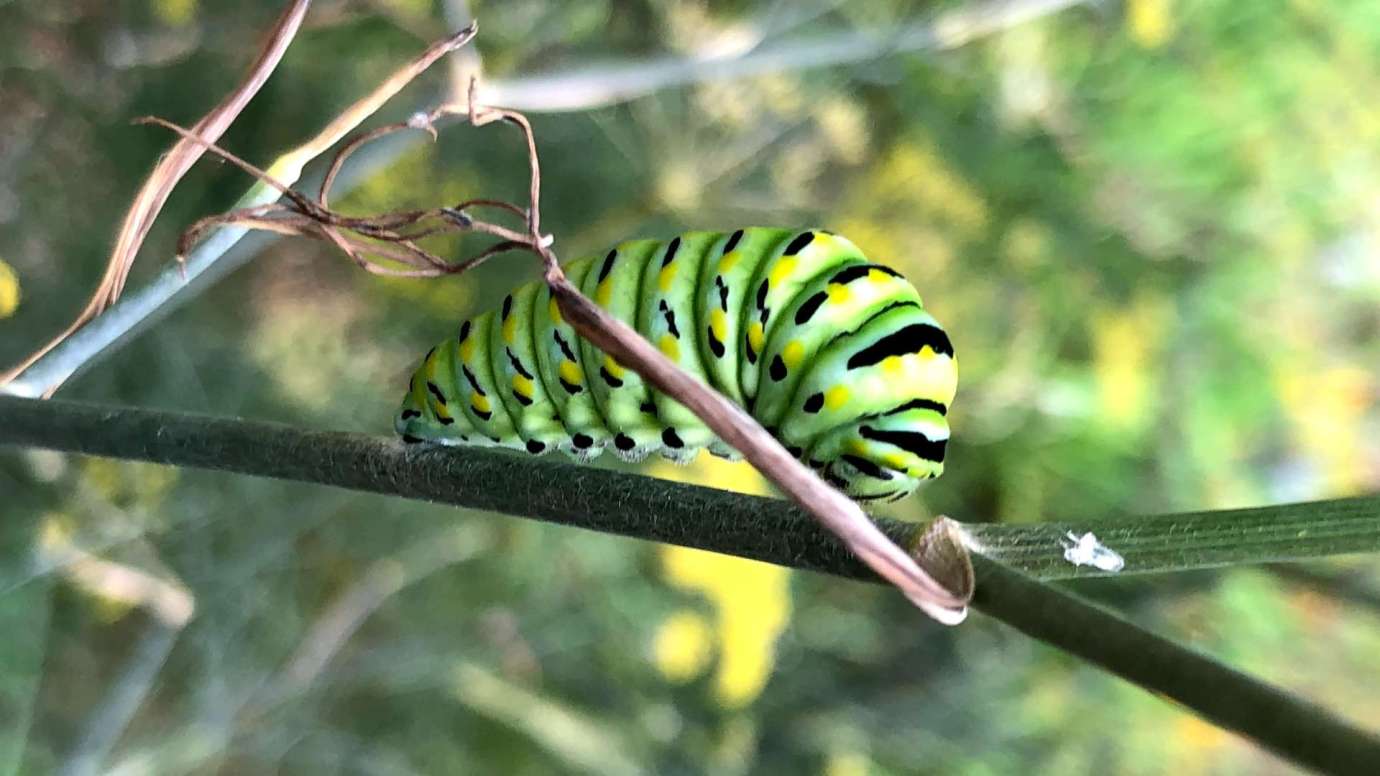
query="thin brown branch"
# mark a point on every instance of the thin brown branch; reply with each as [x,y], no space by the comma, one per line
[170,169]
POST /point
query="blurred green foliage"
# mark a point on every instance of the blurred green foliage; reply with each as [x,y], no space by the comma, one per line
[1151,229]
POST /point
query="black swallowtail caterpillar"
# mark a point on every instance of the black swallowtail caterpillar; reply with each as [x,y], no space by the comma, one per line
[834,354]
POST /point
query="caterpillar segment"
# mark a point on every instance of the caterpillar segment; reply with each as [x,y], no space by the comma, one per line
[834,354]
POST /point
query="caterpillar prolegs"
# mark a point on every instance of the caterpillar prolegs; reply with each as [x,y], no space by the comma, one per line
[832,353]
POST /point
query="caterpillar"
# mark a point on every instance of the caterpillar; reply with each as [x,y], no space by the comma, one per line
[832,353]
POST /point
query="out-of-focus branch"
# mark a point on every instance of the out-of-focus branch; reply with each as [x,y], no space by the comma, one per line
[170,605]
[763,529]
[385,578]
[600,86]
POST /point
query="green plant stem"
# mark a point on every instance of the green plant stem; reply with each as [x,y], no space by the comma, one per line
[1291,727]
[764,529]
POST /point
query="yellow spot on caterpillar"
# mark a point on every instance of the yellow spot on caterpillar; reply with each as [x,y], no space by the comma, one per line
[892,366]
[571,372]
[613,367]
[510,330]
[523,386]
[729,259]
[926,353]
[838,293]
[467,350]
[480,403]
[554,311]
[793,353]
[836,397]
[878,277]
[666,277]
[718,323]
[603,293]
[896,461]
[783,269]
[756,337]
[858,447]
[670,347]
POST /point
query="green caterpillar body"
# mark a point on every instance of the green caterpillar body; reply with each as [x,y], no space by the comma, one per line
[835,355]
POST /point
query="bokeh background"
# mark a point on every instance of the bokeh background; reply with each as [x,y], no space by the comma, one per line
[1152,227]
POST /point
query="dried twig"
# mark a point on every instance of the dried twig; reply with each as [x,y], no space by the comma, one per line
[169,171]
[287,169]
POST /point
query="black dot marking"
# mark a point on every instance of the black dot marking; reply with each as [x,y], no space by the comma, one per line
[517,364]
[723,292]
[523,400]
[565,348]
[429,354]
[483,415]
[613,382]
[411,440]
[436,391]
[507,307]
[795,452]
[474,382]
[748,351]
[834,479]
[762,294]
[777,370]
[670,316]
[410,414]
[671,439]
[464,331]
[814,404]
[671,252]
[571,388]
[535,448]
[912,442]
[607,266]
[445,421]
[867,467]
[624,442]
[582,441]
[811,306]
[909,339]
[648,408]
[798,244]
[858,271]
[715,346]
[497,440]
[733,241]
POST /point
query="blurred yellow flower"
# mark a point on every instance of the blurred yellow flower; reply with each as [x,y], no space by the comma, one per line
[682,646]
[846,764]
[751,601]
[1124,341]
[1149,22]
[174,13]
[9,290]
[1327,409]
